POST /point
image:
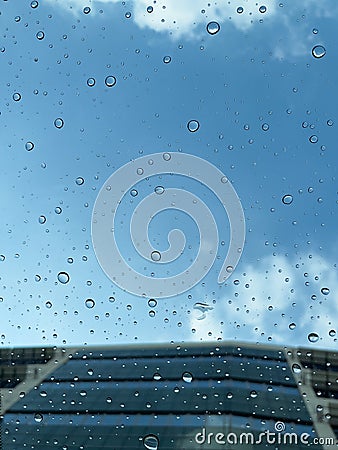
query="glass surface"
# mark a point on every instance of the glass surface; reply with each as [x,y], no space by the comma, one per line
[199,91]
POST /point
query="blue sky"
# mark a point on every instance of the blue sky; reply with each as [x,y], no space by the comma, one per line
[258,94]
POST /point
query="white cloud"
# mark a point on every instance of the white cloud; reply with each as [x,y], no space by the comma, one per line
[273,294]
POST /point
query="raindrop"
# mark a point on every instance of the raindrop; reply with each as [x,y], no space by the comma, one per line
[187,377]
[253,394]
[287,199]
[139,171]
[90,303]
[292,326]
[37,278]
[262,9]
[318,51]
[63,277]
[34,4]
[16,97]
[330,122]
[159,190]
[193,125]
[150,442]
[166,156]
[86,10]
[133,192]
[43,394]
[157,376]
[332,333]
[229,395]
[325,291]
[152,313]
[313,139]
[38,417]
[265,127]
[29,146]
[152,303]
[79,181]
[91,82]
[150,9]
[240,10]
[167,59]
[42,219]
[313,337]
[296,368]
[58,122]
[40,35]
[127,15]
[48,304]
[155,256]
[2,257]
[110,81]
[112,299]
[224,180]
[213,27]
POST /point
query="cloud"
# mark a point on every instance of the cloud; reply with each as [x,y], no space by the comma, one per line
[181,18]
[272,295]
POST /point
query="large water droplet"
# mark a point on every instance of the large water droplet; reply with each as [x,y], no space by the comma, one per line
[29,146]
[58,122]
[79,181]
[91,82]
[187,377]
[157,376]
[16,96]
[193,125]
[63,277]
[42,219]
[86,10]
[287,199]
[155,256]
[313,139]
[90,303]
[152,303]
[110,81]
[313,337]
[213,27]
[262,9]
[296,368]
[38,417]
[318,51]
[159,190]
[40,35]
[150,442]
[325,291]
[167,59]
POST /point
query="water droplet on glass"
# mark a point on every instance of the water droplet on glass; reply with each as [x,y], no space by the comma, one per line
[150,442]
[292,326]
[240,10]
[2,257]
[112,299]
[16,96]
[63,277]
[90,303]
[332,333]
[43,394]
[314,31]
[313,337]
[42,219]
[58,122]
[155,256]
[330,122]
[187,377]
[167,59]
[48,304]
[34,4]
[91,82]
[213,27]
[159,190]
[152,303]
[40,35]
[110,81]
[86,10]
[325,291]
[152,313]
[265,127]
[318,51]
[79,181]
[133,193]
[193,125]
[262,9]
[313,139]
[37,278]
[287,199]
[150,9]
[139,171]
[127,15]
[229,395]
[29,146]
[296,368]
[38,417]
[157,376]
[253,394]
